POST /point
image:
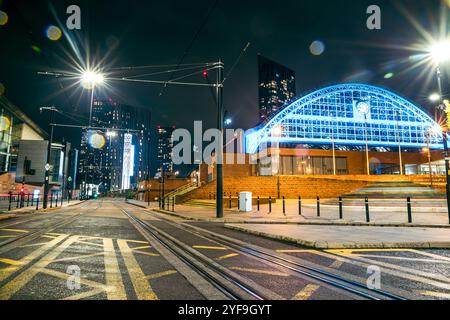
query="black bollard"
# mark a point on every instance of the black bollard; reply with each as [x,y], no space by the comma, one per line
[258,203]
[341,210]
[318,206]
[367,210]
[270,204]
[284,205]
[230,205]
[10,200]
[37,203]
[299,205]
[408,200]
[173,204]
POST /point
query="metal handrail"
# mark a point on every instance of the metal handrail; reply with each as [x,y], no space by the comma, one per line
[183,188]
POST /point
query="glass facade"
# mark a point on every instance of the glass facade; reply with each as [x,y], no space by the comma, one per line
[312,166]
[351,115]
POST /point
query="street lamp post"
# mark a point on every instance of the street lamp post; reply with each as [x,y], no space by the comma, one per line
[219,156]
[444,139]
[49,150]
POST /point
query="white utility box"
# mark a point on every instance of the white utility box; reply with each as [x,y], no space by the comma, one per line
[245,202]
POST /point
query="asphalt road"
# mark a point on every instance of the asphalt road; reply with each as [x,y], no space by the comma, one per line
[95,251]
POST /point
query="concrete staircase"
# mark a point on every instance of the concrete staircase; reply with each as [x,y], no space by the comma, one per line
[394,189]
[201,203]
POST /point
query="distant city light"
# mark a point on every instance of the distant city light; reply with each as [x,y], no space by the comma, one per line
[317,48]
[3,18]
[53,33]
[111,134]
[440,52]
[36,49]
[228,121]
[435,97]
[388,75]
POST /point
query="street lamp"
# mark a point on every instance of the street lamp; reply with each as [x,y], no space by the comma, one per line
[440,52]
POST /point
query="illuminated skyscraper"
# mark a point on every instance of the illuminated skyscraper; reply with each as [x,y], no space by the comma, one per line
[165,145]
[276,87]
[107,153]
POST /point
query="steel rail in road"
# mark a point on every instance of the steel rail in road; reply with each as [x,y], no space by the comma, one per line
[162,238]
[12,243]
[334,280]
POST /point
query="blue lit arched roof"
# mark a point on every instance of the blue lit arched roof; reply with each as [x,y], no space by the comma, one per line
[351,113]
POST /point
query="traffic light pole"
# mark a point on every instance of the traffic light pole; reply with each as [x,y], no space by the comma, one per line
[445,141]
[219,155]
[47,166]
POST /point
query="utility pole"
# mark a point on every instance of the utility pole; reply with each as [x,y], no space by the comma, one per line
[49,149]
[444,139]
[219,156]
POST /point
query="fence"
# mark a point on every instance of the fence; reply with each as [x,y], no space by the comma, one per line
[25,200]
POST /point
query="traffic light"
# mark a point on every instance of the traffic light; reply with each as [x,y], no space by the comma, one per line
[205,73]
[22,190]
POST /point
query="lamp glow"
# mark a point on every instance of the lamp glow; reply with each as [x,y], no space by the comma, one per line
[440,52]
[435,97]
[90,79]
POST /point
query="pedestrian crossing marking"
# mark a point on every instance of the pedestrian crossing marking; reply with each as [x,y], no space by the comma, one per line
[307,292]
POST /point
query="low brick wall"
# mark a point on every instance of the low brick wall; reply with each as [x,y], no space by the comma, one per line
[309,187]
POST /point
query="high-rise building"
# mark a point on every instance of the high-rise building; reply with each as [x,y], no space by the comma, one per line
[276,87]
[165,145]
[113,158]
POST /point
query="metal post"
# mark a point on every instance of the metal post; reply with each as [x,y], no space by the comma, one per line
[408,201]
[173,204]
[47,169]
[284,205]
[270,204]
[51,200]
[299,205]
[28,200]
[258,204]
[10,200]
[56,199]
[446,154]
[367,210]
[341,211]
[318,206]
[219,155]
[37,203]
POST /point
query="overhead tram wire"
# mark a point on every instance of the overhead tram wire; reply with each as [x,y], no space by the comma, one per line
[164,66]
[199,30]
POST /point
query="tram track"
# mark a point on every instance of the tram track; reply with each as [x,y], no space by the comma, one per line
[352,287]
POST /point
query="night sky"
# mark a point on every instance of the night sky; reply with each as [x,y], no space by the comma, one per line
[137,32]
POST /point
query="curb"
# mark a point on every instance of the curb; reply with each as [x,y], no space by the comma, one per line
[345,245]
[46,210]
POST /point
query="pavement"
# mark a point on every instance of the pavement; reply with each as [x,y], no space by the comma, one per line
[324,233]
[329,215]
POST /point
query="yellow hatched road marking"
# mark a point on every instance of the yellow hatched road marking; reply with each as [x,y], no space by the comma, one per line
[5,273]
[337,264]
[112,272]
[307,292]
[10,288]
[296,251]
[260,271]
[137,241]
[11,262]
[79,257]
[15,230]
[161,274]
[141,285]
[210,248]
[6,237]
[228,256]
[86,282]
[404,275]
[84,295]
[150,254]
[141,247]
[406,259]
